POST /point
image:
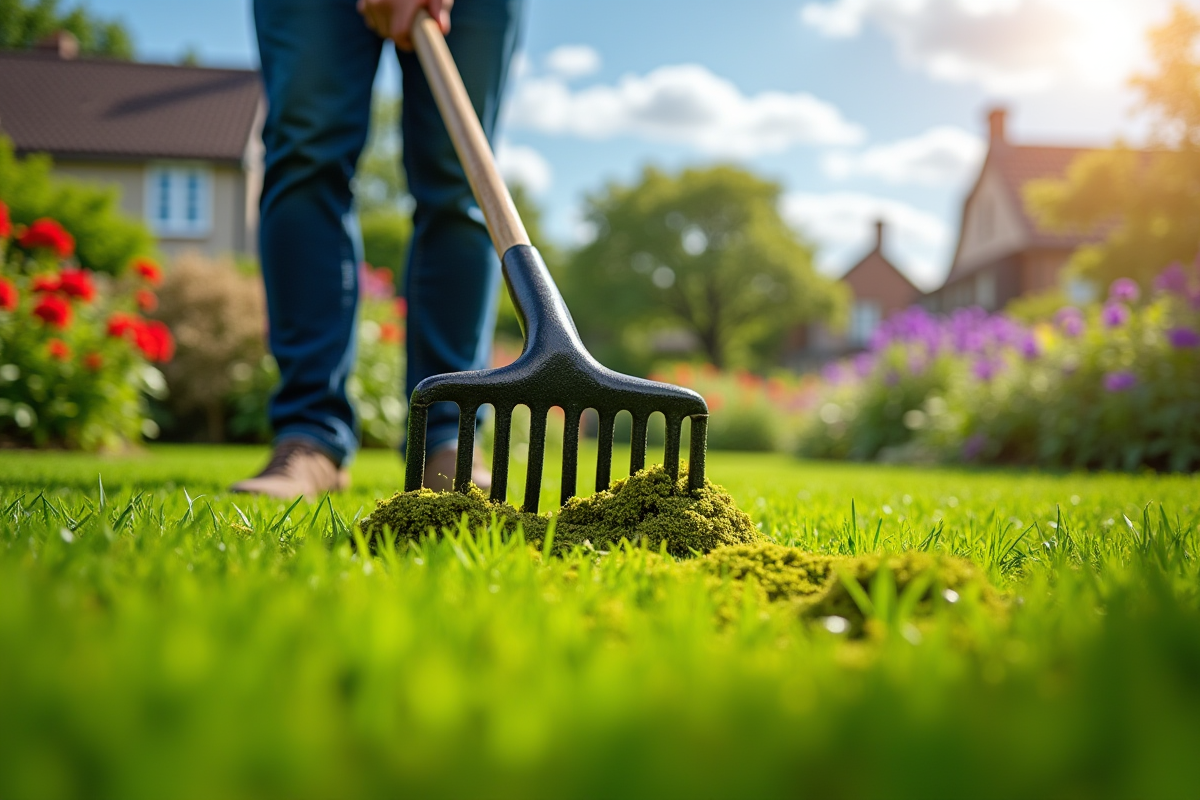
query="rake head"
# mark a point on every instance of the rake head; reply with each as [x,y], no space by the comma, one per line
[554,369]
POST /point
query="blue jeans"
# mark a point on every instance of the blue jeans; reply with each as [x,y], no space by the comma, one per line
[318,64]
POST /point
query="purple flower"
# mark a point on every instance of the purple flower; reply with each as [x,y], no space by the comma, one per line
[974,445]
[1124,290]
[863,364]
[1119,381]
[1114,314]
[1172,280]
[1070,321]
[985,369]
[1029,348]
[1183,338]
[833,373]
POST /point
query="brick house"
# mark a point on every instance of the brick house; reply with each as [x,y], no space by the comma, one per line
[1003,252]
[877,290]
[182,144]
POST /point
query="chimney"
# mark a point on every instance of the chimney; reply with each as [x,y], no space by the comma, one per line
[879,226]
[60,43]
[997,125]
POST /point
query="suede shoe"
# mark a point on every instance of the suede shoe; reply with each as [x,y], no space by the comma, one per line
[440,466]
[296,468]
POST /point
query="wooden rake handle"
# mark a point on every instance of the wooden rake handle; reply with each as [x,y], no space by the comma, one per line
[503,222]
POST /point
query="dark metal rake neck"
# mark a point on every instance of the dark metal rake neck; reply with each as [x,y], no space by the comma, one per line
[554,369]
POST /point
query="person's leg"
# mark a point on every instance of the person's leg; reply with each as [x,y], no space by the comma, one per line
[453,273]
[318,64]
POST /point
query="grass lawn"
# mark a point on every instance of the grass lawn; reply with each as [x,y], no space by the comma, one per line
[158,641]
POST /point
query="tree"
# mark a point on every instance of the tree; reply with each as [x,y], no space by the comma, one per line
[24,24]
[1146,204]
[705,252]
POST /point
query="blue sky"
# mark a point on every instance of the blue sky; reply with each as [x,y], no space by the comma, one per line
[859,108]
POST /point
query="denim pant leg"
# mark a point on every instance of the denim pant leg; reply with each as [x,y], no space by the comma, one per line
[318,63]
[453,273]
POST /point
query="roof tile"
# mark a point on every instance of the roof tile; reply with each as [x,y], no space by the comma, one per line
[120,109]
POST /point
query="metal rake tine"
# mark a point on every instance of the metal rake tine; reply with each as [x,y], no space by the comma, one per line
[537,450]
[414,462]
[500,454]
[466,447]
[637,444]
[570,455]
[696,451]
[604,449]
[671,450]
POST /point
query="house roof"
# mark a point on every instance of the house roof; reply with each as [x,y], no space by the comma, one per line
[1020,164]
[97,108]
[1017,165]
[876,258]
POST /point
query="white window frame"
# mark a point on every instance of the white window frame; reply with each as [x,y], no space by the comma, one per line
[188,200]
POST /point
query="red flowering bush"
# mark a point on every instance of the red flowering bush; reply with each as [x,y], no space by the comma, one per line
[75,356]
[49,235]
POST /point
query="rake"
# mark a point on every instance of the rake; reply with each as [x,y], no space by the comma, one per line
[554,368]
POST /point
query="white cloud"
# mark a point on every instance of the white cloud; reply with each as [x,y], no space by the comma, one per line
[573,61]
[520,164]
[1007,46]
[841,224]
[684,104]
[941,156]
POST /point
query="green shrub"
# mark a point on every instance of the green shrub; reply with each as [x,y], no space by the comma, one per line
[218,315]
[108,241]
[385,236]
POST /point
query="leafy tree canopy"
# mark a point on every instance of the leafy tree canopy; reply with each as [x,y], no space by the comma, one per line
[705,252]
[1146,204]
[24,23]
[106,240]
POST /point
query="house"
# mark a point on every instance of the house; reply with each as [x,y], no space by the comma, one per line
[181,143]
[877,290]
[1003,252]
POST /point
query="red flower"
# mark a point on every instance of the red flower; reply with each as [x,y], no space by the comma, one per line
[389,332]
[119,325]
[59,350]
[54,311]
[5,222]
[146,300]
[8,296]
[77,283]
[151,272]
[93,361]
[154,339]
[47,233]
[402,307]
[46,283]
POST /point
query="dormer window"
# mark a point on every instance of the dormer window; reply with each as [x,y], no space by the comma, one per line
[179,200]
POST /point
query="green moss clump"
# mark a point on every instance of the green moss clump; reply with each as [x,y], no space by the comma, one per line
[652,509]
[411,515]
[783,573]
[647,508]
[816,585]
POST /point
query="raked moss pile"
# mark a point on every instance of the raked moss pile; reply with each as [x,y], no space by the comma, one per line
[651,511]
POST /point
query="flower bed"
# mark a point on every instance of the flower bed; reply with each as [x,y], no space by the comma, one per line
[747,412]
[1113,386]
[76,356]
